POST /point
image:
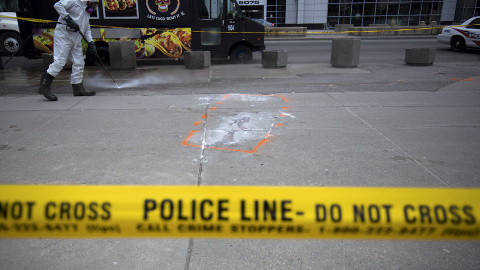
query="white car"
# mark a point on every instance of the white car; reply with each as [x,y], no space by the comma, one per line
[462,36]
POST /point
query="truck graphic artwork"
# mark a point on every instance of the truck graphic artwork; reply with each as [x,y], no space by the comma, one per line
[162,6]
[120,9]
[159,28]
[153,43]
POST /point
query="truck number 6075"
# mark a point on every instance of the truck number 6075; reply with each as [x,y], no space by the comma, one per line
[248,2]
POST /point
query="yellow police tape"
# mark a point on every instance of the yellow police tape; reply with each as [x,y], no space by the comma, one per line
[239,212]
[233,32]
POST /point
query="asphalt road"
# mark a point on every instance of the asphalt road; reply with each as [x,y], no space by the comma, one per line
[317,51]
[371,51]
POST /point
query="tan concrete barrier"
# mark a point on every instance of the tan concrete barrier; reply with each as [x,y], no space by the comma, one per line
[286,31]
[394,30]
[197,59]
[345,52]
[420,56]
[122,55]
[274,59]
[342,27]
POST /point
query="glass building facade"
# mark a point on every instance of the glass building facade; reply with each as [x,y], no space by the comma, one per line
[466,9]
[399,12]
[366,12]
[276,11]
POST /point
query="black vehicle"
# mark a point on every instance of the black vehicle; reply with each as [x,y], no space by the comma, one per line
[160,28]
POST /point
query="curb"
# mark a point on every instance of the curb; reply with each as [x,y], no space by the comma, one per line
[334,36]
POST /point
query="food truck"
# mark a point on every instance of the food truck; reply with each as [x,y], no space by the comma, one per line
[159,28]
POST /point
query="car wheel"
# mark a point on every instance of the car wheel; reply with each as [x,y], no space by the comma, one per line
[10,43]
[240,54]
[458,44]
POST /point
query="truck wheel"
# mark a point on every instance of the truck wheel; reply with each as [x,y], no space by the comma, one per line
[240,54]
[458,44]
[10,43]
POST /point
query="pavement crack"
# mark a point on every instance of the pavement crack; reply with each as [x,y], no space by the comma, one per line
[3,148]
[397,146]
[199,182]
[74,105]
[202,151]
[189,254]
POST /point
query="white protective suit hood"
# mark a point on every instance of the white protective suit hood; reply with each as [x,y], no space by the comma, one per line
[91,5]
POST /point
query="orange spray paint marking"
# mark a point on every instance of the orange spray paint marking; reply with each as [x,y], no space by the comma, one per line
[460,79]
[185,142]
[263,141]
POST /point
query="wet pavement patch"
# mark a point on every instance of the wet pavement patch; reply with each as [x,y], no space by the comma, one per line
[227,127]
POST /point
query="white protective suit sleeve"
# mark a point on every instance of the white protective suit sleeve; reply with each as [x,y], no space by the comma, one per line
[76,10]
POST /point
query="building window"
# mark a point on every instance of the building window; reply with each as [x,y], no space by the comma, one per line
[276,11]
[467,9]
[398,12]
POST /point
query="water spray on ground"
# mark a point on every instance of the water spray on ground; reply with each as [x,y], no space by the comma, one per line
[135,79]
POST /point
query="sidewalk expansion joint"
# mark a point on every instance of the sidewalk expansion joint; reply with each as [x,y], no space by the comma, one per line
[398,147]
[202,151]
[392,142]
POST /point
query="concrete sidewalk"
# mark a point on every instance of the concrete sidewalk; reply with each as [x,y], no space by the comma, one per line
[249,77]
[382,124]
[395,139]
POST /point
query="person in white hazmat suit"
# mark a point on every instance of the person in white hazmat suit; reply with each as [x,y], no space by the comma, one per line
[67,44]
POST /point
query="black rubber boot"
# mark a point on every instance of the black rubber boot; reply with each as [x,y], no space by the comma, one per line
[78,90]
[45,84]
